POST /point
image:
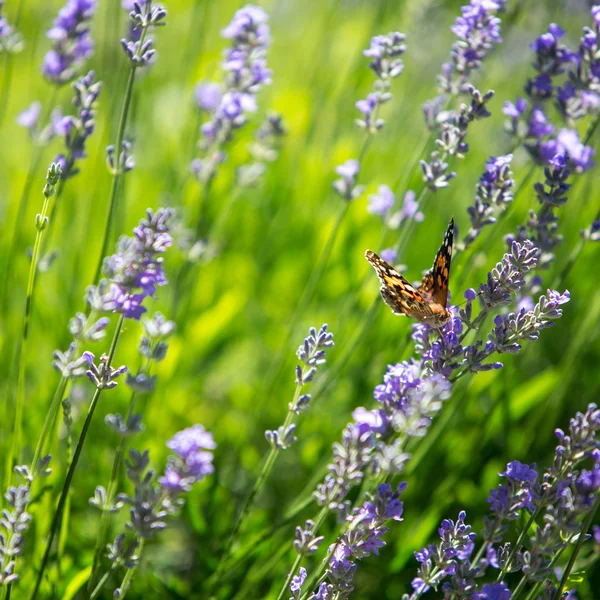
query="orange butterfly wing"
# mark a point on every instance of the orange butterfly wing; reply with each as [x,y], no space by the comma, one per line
[435,282]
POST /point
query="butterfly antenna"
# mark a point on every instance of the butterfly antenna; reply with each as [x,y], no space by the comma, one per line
[479,293]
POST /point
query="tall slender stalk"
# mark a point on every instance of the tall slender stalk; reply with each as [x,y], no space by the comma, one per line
[41,222]
[16,229]
[112,487]
[582,537]
[118,167]
[71,471]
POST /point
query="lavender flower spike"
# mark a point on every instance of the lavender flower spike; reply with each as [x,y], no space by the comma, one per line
[10,40]
[192,459]
[246,73]
[477,32]
[76,129]
[72,43]
[136,270]
[311,354]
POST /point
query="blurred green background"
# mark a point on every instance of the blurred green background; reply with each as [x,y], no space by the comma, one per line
[230,365]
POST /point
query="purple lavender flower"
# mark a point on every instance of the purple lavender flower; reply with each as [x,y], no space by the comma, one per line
[385,50]
[567,142]
[192,460]
[477,32]
[312,355]
[382,202]
[16,520]
[389,255]
[494,191]
[136,270]
[514,125]
[410,208]
[494,591]
[363,537]
[29,117]
[246,73]
[76,129]
[10,40]
[592,233]
[508,501]
[551,59]
[142,17]
[297,583]
[451,141]
[207,96]
[347,186]
[72,43]
[437,562]
[103,376]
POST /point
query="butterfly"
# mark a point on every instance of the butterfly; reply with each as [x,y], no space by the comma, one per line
[426,303]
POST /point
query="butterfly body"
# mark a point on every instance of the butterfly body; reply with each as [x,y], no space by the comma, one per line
[426,303]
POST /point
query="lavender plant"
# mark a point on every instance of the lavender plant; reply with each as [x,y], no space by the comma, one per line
[133,274]
[41,223]
[412,394]
[312,355]
[152,502]
[568,78]
[16,520]
[493,194]
[139,52]
[246,73]
[71,41]
[10,39]
[153,349]
[477,32]
[559,508]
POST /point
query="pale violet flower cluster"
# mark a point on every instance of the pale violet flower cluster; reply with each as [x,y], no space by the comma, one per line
[246,73]
[151,503]
[569,80]
[311,354]
[76,129]
[493,194]
[136,270]
[385,52]
[562,497]
[16,520]
[10,39]
[71,41]
[134,273]
[445,353]
[138,48]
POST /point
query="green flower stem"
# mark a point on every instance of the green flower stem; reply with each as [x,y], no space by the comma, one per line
[534,515]
[112,486]
[124,587]
[533,593]
[264,474]
[582,535]
[118,172]
[52,412]
[286,585]
[71,471]
[104,580]
[41,223]
[16,229]
[318,575]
